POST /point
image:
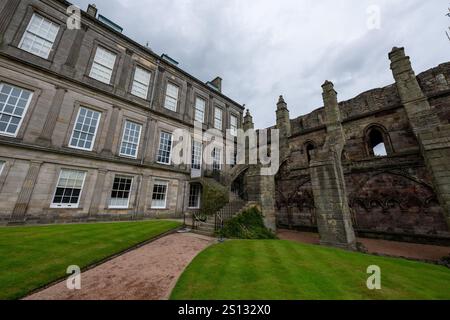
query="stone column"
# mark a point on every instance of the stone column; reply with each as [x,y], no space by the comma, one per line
[432,135]
[6,16]
[126,66]
[157,97]
[74,52]
[113,127]
[23,200]
[45,138]
[98,189]
[327,179]
[152,141]
[188,114]
[143,192]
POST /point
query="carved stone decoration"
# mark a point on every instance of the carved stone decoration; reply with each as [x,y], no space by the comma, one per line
[395,202]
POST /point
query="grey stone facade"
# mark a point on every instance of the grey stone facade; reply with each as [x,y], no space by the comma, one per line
[61,84]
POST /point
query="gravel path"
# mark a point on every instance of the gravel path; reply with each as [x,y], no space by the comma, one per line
[391,248]
[147,273]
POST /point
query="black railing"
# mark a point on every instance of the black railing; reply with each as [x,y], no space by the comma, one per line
[227,213]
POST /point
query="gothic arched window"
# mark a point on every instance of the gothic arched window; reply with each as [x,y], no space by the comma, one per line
[309,147]
[377,142]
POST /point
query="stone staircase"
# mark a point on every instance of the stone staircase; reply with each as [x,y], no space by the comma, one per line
[213,222]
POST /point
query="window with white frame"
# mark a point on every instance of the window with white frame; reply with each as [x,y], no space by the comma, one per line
[120,194]
[130,139]
[233,125]
[197,147]
[85,129]
[2,165]
[141,83]
[159,197]
[218,118]
[217,159]
[195,191]
[103,65]
[200,105]
[14,102]
[165,148]
[171,101]
[68,190]
[39,36]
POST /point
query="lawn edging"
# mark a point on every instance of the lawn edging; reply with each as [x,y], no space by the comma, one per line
[104,260]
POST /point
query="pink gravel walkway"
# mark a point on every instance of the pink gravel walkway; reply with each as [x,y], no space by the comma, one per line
[147,273]
[391,248]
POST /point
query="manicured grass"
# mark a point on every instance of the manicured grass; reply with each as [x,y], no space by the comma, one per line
[31,257]
[273,269]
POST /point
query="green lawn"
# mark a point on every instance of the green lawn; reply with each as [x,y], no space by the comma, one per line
[31,257]
[273,269]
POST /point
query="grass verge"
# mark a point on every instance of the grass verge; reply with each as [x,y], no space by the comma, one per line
[32,257]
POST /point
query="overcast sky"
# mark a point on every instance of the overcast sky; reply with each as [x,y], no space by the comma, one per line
[264,48]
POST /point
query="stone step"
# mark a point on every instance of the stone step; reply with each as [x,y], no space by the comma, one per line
[203,233]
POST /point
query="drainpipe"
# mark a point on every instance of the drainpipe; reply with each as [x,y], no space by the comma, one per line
[152,97]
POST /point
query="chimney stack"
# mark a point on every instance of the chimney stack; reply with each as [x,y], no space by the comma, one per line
[92,10]
[217,82]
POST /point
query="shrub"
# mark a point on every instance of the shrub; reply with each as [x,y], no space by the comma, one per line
[214,197]
[247,225]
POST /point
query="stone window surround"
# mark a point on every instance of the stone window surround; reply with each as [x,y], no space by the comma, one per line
[154,181]
[94,134]
[159,131]
[198,95]
[114,76]
[307,143]
[216,106]
[133,191]
[237,116]
[152,71]
[386,139]
[199,196]
[174,80]
[31,106]
[66,205]
[34,9]
[86,184]
[177,107]
[73,118]
[198,92]
[126,118]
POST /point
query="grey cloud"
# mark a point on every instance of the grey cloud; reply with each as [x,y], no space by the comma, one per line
[266,48]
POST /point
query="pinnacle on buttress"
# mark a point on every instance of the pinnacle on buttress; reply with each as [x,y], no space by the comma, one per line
[281,104]
[248,120]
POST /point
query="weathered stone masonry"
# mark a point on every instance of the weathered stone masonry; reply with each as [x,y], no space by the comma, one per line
[332,179]
[33,159]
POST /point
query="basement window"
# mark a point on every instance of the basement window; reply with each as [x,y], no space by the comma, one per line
[120,194]
[159,197]
[68,189]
